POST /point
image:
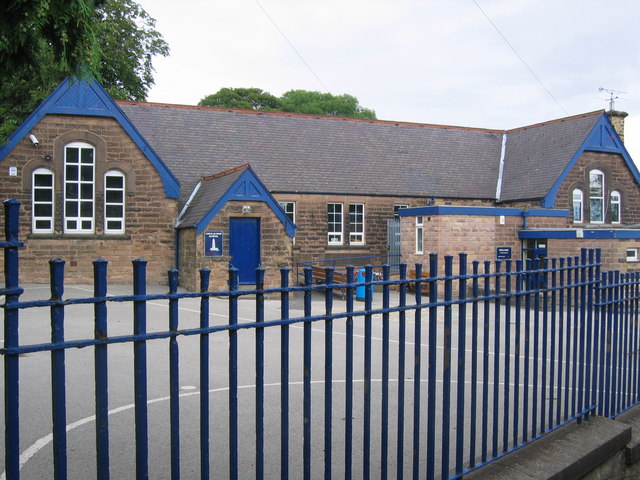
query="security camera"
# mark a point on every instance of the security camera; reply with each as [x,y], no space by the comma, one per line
[34,140]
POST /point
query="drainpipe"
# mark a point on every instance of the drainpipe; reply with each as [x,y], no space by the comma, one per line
[177,249]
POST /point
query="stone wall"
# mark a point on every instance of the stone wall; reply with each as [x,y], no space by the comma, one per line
[149,215]
[276,248]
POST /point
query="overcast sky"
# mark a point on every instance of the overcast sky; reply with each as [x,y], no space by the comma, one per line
[427,61]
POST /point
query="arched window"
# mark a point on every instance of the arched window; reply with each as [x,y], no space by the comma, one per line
[114,190]
[42,200]
[615,206]
[578,205]
[596,196]
[79,188]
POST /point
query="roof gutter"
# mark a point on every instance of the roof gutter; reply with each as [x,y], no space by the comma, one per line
[503,153]
[186,205]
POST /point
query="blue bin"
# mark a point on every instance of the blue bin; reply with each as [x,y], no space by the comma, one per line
[360,291]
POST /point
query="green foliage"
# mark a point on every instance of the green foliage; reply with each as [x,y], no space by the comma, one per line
[317,103]
[116,45]
[245,98]
[65,26]
[295,101]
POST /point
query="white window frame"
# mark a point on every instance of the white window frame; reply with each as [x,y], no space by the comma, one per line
[616,205]
[578,199]
[110,203]
[593,198]
[399,207]
[419,234]
[356,223]
[37,203]
[289,209]
[79,183]
[632,254]
[335,228]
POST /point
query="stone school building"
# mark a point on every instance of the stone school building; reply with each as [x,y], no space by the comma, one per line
[192,187]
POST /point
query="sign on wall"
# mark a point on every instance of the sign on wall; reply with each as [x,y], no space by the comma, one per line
[503,253]
[213,244]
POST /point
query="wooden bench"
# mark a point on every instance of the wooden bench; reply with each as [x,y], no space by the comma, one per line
[319,275]
[425,285]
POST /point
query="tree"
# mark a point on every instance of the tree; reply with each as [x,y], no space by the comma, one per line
[246,98]
[317,103]
[123,40]
[66,27]
[295,101]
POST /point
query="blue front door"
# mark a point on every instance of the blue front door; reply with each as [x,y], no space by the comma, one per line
[244,247]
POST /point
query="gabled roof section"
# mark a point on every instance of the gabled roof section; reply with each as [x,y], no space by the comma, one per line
[602,138]
[213,192]
[545,153]
[294,153]
[87,97]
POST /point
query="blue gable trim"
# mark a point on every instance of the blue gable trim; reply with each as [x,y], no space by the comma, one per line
[602,138]
[87,97]
[598,234]
[485,211]
[248,188]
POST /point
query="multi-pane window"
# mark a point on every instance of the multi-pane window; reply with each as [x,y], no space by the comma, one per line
[334,223]
[419,234]
[615,206]
[578,205]
[596,196]
[114,187]
[290,210]
[398,207]
[79,192]
[356,224]
[42,201]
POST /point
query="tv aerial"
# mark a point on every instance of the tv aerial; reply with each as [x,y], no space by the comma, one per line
[613,96]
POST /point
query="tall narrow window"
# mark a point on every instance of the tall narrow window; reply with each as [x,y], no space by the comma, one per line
[615,207]
[334,223]
[578,203]
[596,196]
[419,234]
[356,224]
[79,192]
[42,201]
[114,202]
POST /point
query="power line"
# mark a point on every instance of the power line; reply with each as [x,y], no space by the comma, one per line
[521,59]
[292,47]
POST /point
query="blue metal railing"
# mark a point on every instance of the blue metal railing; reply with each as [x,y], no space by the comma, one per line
[495,359]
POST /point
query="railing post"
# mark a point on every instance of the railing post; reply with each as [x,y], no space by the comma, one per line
[328,374]
[259,398]
[101,369]
[174,376]
[233,373]
[306,376]
[140,368]
[11,339]
[402,301]
[58,397]
[284,375]
[205,275]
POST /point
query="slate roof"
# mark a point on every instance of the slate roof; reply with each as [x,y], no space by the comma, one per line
[211,190]
[309,154]
[537,155]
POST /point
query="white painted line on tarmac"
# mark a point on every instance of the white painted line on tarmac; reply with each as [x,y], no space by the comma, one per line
[39,444]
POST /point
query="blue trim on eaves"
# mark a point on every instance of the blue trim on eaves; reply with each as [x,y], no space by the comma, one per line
[602,138]
[484,211]
[598,234]
[86,97]
[248,188]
